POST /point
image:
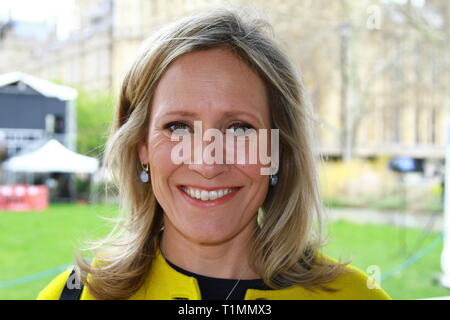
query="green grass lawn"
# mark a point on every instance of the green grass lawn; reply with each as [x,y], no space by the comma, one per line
[389,247]
[34,242]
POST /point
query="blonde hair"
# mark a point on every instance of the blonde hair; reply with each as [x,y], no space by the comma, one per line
[285,248]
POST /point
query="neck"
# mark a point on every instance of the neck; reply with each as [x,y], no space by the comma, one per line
[227,260]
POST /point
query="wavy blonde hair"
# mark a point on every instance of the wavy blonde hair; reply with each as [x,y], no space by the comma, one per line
[286,245]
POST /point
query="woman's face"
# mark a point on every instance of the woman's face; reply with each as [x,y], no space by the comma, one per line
[217,88]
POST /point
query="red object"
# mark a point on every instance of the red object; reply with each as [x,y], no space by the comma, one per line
[23,197]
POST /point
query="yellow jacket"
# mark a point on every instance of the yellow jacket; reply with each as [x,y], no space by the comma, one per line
[165,283]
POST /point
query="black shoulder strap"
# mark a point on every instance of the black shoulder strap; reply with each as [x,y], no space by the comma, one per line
[75,292]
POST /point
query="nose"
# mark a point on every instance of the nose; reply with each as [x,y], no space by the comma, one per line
[208,171]
[207,165]
[208,149]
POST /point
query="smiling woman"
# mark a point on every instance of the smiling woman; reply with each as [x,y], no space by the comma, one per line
[213,230]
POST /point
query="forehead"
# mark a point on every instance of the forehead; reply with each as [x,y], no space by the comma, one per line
[211,80]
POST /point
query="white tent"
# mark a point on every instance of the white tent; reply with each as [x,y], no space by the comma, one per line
[52,157]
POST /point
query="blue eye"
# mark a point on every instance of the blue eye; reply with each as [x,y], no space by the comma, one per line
[240,128]
[178,127]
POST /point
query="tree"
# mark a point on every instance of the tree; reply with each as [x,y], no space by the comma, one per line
[94,116]
[364,65]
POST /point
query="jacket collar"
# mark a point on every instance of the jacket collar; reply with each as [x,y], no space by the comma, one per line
[166,283]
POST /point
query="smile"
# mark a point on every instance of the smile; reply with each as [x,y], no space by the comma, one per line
[205,195]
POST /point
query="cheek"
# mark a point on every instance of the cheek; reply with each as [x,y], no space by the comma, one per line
[252,171]
[161,166]
[259,183]
[256,149]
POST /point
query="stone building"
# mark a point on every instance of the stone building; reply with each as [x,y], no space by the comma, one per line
[377,74]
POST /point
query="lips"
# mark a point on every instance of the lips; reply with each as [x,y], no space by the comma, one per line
[206,195]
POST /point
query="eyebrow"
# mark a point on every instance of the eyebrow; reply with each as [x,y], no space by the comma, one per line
[181,113]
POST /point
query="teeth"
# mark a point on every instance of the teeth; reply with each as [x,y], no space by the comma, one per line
[205,195]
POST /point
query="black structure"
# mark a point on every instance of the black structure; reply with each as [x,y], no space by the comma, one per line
[31,110]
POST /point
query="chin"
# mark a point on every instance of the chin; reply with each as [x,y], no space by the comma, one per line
[210,235]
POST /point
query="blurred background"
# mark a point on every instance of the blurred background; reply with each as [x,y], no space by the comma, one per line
[376,72]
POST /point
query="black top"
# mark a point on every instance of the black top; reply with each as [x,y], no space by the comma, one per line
[73,292]
[219,289]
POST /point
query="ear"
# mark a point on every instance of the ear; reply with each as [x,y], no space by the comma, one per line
[143,152]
